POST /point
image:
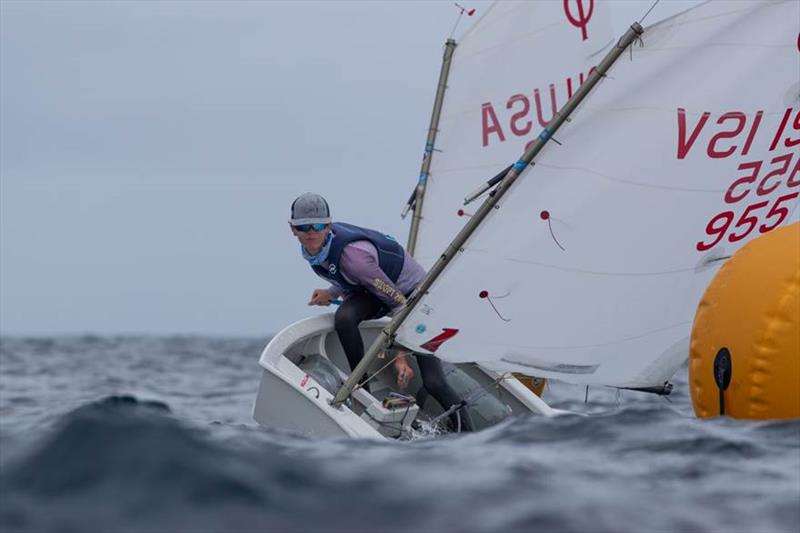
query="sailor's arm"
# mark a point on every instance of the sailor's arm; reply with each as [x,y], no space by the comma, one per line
[362,267]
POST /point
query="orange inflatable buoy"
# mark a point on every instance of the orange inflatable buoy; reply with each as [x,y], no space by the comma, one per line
[744,355]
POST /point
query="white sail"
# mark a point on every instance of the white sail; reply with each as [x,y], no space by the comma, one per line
[523,59]
[591,269]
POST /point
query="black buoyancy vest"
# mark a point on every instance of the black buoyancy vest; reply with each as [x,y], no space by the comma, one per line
[391,255]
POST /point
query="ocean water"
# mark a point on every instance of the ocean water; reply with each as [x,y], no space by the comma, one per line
[147,434]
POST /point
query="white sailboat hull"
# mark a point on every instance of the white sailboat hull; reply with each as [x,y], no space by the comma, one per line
[290,398]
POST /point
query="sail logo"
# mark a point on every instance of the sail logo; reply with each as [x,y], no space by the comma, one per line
[434,344]
[524,111]
[582,18]
[764,187]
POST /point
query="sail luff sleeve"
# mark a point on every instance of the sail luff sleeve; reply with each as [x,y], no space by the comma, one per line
[433,129]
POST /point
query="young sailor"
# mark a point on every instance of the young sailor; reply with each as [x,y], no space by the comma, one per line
[373,274]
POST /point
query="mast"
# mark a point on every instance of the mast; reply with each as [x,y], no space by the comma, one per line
[415,202]
[385,338]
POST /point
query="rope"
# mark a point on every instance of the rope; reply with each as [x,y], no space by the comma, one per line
[369,378]
[648,11]
[453,409]
[637,40]
[395,426]
[474,395]
[458,19]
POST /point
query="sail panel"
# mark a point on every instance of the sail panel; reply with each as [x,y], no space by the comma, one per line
[519,56]
[591,268]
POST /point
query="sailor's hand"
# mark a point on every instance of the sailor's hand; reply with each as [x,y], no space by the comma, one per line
[320,297]
[404,372]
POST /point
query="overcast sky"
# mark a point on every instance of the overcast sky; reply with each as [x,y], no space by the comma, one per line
[149,152]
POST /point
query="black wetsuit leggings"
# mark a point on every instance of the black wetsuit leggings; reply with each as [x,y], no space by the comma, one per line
[362,306]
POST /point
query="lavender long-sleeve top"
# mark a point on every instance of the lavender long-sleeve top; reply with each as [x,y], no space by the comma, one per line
[359,266]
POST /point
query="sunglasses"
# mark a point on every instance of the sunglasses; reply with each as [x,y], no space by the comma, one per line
[305,228]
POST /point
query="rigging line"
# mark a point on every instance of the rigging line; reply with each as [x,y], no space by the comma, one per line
[381,369]
[397,426]
[458,19]
[553,235]
[649,10]
[638,41]
[471,397]
[461,11]
[455,408]
[497,311]
[485,389]
[474,395]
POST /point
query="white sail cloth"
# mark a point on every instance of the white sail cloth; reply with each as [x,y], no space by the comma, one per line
[519,57]
[591,269]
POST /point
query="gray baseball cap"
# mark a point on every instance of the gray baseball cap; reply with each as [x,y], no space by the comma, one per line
[310,208]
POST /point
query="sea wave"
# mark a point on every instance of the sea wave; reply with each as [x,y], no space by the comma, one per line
[184,455]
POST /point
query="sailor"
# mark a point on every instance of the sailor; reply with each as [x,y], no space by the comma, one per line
[373,275]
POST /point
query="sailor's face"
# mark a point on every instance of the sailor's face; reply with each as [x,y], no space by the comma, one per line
[311,240]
